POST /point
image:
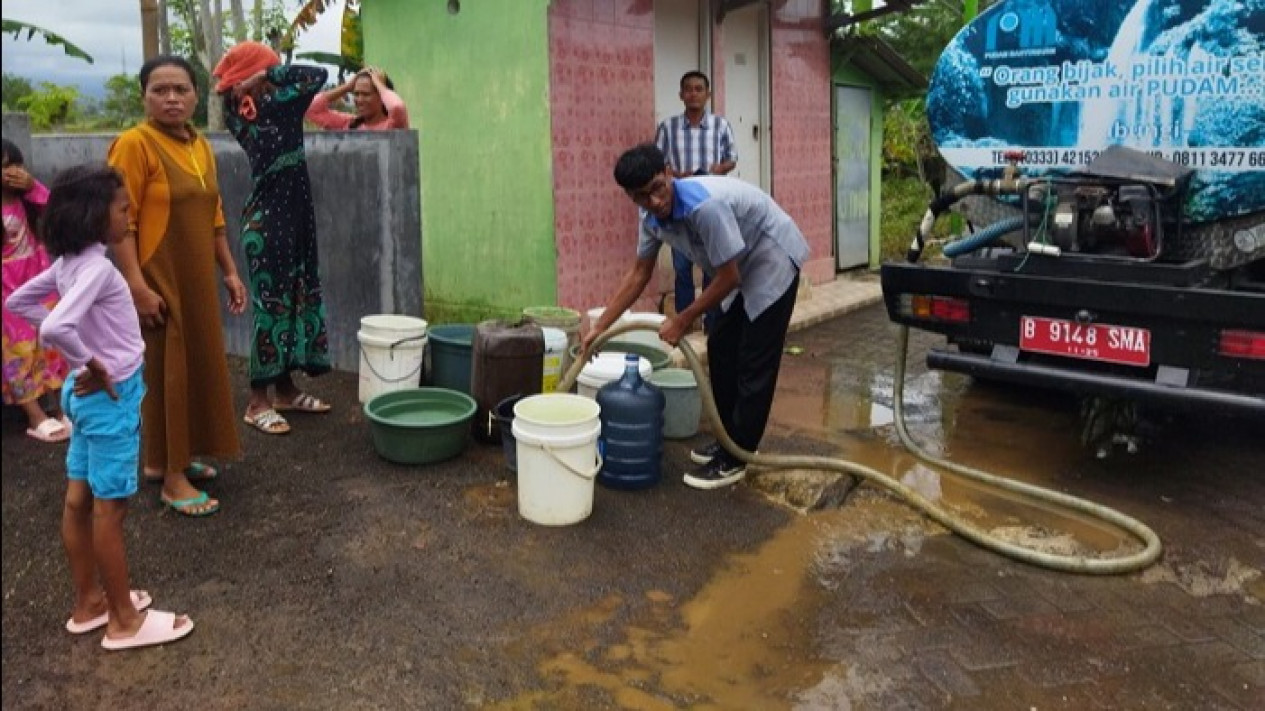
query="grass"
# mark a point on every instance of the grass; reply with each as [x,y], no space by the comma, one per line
[904,204]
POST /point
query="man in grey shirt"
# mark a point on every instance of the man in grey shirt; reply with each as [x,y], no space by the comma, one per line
[753,251]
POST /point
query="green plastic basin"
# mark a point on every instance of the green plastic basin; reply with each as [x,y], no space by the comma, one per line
[421,425]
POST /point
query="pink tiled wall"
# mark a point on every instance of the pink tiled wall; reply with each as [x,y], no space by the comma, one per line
[802,177]
[601,69]
[601,75]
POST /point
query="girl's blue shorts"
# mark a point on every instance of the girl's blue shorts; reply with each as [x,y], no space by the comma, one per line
[105,442]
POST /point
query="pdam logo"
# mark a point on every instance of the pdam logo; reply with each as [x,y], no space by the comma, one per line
[1030,25]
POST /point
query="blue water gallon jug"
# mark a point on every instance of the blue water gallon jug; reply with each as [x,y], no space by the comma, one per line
[632,430]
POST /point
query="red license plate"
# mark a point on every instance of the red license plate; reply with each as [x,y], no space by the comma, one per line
[1091,341]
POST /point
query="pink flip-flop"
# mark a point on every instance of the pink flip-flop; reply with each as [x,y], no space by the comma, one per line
[158,628]
[140,600]
[50,430]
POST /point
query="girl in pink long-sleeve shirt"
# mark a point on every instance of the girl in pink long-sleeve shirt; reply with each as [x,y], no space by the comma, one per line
[95,327]
[378,107]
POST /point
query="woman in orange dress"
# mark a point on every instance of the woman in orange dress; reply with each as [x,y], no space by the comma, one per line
[176,239]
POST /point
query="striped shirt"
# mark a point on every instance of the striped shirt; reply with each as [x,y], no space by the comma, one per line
[691,148]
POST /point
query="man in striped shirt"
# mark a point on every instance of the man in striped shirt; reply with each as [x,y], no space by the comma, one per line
[696,142]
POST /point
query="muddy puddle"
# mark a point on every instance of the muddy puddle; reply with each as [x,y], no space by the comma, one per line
[746,640]
[949,417]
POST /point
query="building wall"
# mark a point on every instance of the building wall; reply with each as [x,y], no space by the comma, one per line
[519,137]
[802,168]
[368,235]
[601,74]
[476,85]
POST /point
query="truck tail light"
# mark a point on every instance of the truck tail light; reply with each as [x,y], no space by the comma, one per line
[935,308]
[1242,344]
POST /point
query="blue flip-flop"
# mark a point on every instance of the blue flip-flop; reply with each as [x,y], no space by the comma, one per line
[185,507]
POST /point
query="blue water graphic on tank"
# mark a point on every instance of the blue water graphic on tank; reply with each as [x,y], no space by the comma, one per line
[632,430]
[1061,80]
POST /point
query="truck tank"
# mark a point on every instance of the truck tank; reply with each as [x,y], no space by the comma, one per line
[1060,81]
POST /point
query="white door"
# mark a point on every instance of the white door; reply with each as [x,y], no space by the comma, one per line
[852,176]
[676,51]
[745,89]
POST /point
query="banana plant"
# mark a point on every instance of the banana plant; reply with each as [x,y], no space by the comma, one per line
[334,60]
[352,40]
[18,28]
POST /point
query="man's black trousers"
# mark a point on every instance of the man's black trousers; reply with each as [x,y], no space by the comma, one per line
[744,357]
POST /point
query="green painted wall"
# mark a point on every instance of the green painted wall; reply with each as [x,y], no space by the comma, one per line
[477,87]
[849,76]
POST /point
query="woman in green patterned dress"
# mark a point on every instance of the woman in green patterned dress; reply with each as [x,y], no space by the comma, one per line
[264,103]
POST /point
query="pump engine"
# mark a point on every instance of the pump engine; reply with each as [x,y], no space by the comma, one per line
[1101,218]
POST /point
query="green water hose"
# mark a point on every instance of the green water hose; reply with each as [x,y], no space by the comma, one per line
[1127,563]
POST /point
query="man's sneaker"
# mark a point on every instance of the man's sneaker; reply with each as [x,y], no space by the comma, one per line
[720,471]
[706,453]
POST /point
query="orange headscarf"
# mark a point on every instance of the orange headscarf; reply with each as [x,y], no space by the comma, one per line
[238,64]
[241,62]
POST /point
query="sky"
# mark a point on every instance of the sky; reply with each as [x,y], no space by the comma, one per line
[110,31]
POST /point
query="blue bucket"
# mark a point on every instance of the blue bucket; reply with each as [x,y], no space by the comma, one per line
[451,347]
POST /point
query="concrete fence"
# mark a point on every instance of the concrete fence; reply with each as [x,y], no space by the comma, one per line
[365,186]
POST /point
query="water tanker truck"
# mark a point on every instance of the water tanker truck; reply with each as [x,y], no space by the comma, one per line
[1112,164]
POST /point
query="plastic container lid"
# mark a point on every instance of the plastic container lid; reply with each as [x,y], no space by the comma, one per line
[390,324]
[609,366]
[553,316]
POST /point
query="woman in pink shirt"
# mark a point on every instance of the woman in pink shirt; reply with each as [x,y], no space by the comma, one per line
[378,108]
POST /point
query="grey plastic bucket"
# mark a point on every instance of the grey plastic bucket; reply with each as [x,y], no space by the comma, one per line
[683,406]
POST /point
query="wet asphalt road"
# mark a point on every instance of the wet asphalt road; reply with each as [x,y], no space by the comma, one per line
[334,579]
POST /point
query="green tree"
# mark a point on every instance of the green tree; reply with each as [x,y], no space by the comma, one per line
[197,32]
[14,88]
[122,103]
[50,105]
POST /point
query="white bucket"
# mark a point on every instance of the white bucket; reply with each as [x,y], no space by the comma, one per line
[391,351]
[604,368]
[554,359]
[595,314]
[556,446]
[641,335]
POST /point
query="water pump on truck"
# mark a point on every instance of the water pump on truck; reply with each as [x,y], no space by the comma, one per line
[1117,153]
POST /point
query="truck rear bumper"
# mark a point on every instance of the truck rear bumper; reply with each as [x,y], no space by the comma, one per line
[1168,396]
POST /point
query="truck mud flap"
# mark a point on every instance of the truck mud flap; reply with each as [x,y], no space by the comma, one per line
[1169,396]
